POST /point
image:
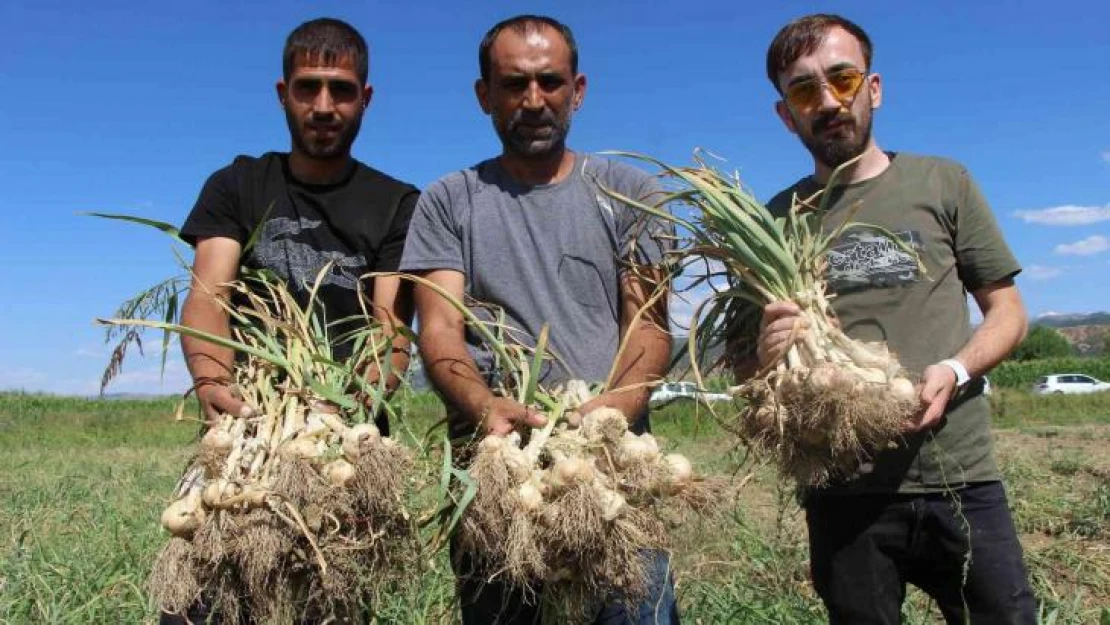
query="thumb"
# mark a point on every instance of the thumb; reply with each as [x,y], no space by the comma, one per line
[535,419]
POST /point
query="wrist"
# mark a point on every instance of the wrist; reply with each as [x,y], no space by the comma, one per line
[480,409]
[958,368]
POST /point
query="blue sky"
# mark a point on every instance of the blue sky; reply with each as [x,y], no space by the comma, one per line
[129,106]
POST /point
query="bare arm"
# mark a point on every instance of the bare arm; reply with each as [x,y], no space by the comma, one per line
[1004,325]
[393,308]
[449,365]
[647,350]
[216,263]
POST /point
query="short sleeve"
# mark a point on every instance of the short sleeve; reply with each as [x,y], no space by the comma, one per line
[218,211]
[433,240]
[645,238]
[392,247]
[982,254]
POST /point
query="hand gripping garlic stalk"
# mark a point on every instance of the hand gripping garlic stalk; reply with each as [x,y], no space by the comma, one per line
[831,402]
[297,510]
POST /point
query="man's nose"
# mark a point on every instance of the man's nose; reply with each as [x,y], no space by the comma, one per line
[829,101]
[323,104]
[533,96]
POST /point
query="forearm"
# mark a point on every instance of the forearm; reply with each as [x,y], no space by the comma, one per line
[206,361]
[452,371]
[1003,328]
[992,341]
[643,362]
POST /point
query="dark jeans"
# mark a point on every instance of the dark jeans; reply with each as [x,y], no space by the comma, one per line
[495,603]
[865,548]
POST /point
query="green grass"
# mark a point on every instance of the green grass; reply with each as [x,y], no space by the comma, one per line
[82,484]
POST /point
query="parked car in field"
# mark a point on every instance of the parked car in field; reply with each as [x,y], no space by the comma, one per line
[671,391]
[1068,383]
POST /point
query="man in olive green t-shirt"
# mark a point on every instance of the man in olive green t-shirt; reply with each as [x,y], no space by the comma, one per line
[932,511]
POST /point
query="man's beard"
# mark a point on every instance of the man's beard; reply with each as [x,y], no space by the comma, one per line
[516,139]
[834,151]
[339,146]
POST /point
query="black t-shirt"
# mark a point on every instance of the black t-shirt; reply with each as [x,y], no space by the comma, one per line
[358,224]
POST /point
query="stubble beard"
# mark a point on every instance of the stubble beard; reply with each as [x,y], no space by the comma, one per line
[339,147]
[530,148]
[834,151]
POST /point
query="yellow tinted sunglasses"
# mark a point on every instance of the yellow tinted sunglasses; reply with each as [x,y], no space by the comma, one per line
[843,84]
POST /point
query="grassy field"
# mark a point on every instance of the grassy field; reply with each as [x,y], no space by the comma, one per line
[82,484]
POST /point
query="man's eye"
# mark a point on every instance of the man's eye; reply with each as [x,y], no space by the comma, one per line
[306,88]
[343,91]
[514,84]
[550,83]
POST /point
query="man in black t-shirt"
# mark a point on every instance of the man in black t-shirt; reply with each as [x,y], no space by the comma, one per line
[311,206]
[306,208]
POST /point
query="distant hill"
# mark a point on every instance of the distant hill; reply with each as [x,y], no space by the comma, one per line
[1071,320]
[1085,331]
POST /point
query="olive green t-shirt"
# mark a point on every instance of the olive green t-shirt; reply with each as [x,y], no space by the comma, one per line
[933,205]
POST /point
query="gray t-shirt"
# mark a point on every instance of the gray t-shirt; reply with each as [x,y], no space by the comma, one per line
[541,254]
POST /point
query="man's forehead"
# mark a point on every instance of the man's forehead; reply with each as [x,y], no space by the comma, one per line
[317,63]
[534,50]
[838,48]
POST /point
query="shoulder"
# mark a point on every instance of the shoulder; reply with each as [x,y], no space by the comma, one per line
[783,200]
[382,182]
[459,184]
[928,165]
[615,173]
[244,168]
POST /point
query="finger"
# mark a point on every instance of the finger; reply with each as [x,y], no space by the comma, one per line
[931,416]
[574,418]
[778,310]
[211,414]
[534,419]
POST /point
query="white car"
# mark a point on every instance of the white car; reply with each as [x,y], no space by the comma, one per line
[671,391]
[1068,383]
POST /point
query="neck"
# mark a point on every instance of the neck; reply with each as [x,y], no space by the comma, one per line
[318,171]
[871,163]
[538,171]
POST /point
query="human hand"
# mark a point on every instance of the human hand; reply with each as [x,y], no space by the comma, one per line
[502,415]
[779,327]
[630,403]
[938,385]
[216,399]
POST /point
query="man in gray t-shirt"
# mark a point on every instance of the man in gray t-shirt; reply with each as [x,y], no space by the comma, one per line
[544,253]
[531,233]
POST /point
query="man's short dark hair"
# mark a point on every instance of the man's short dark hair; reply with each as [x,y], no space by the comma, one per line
[327,42]
[524,24]
[803,36]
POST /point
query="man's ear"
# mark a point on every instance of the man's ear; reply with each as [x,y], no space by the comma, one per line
[875,90]
[783,111]
[282,91]
[367,95]
[481,90]
[579,90]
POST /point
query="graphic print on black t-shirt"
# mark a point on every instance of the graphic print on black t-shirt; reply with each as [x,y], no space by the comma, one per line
[299,263]
[866,259]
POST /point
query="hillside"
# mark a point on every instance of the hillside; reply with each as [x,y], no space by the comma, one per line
[1086,332]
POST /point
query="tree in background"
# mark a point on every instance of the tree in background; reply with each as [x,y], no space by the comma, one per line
[1042,342]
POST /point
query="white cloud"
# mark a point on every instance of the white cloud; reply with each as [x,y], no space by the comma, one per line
[1091,245]
[1065,215]
[1040,272]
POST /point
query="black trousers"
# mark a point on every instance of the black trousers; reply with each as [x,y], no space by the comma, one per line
[959,547]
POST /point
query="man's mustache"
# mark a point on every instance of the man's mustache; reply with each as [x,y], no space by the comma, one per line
[544,118]
[830,118]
